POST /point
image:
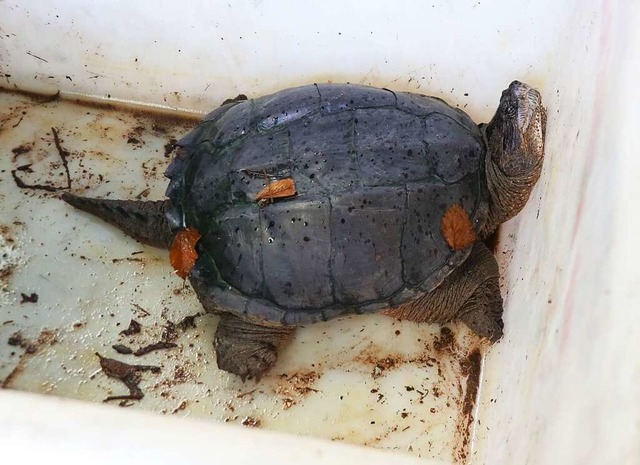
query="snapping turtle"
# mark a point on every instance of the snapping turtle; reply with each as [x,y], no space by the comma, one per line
[332,199]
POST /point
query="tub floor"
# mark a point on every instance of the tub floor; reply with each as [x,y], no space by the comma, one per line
[69,284]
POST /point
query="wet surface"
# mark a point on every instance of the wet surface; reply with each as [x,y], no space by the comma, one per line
[72,287]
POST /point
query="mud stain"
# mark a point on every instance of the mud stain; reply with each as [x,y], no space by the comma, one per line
[64,155]
[251,422]
[380,364]
[6,272]
[446,342]
[21,149]
[470,370]
[458,366]
[45,339]
[293,388]
[9,254]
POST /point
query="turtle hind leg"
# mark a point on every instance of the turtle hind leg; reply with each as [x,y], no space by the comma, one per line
[247,349]
[471,293]
[145,221]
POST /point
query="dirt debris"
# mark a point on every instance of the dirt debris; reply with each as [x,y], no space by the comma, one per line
[134,328]
[128,374]
[64,155]
[293,388]
[470,368]
[21,149]
[45,339]
[160,345]
[251,422]
[122,349]
[446,341]
[28,298]
[169,147]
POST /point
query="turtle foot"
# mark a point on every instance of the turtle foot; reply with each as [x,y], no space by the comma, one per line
[482,313]
[247,349]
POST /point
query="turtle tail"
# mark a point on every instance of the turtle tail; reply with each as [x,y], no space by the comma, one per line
[145,221]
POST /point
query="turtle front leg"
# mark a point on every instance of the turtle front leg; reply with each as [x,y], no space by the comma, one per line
[471,293]
[247,349]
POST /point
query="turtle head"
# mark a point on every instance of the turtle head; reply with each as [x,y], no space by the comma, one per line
[515,135]
[515,149]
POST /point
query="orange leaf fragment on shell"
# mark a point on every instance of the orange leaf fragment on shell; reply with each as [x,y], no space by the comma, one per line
[278,189]
[457,228]
[183,254]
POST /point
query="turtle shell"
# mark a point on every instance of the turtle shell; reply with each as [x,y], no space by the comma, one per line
[375,172]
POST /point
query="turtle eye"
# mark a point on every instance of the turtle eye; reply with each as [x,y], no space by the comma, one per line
[511,109]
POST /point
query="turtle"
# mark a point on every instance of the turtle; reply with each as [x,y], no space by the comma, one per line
[326,200]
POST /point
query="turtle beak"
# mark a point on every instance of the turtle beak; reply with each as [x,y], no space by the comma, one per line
[516,132]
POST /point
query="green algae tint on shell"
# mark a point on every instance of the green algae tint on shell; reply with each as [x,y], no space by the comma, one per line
[375,172]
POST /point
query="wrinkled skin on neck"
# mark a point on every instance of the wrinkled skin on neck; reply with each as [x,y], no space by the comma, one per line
[515,151]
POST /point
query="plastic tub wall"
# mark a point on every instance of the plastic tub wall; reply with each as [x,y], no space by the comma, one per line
[560,387]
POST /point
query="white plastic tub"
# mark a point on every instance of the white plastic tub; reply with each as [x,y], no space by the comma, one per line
[560,387]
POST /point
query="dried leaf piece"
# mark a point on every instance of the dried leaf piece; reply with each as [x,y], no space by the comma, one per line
[183,254]
[128,374]
[457,228]
[278,189]
[122,349]
[134,328]
[162,345]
